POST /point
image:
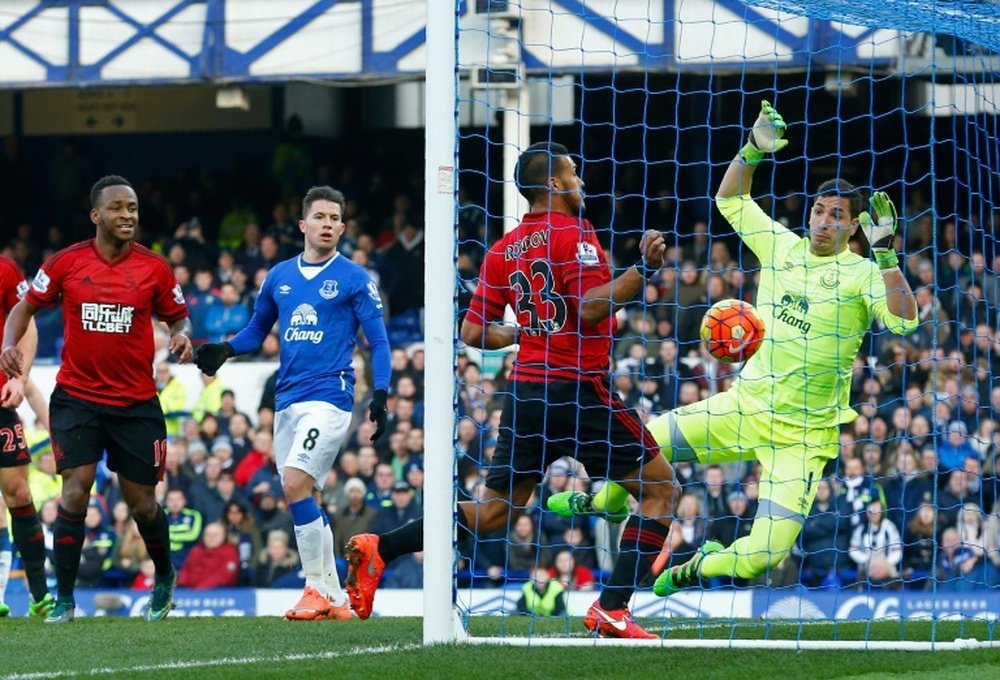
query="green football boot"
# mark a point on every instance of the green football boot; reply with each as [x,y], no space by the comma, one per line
[4,610]
[684,575]
[63,612]
[42,608]
[578,503]
[162,600]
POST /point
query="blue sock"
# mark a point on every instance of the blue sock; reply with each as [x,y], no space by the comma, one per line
[305,511]
[4,540]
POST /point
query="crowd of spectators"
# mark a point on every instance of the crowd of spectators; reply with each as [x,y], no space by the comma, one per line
[912,495]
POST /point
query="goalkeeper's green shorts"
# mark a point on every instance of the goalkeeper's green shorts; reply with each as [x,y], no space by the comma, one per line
[792,458]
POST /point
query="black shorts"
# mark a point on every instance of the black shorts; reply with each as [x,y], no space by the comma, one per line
[542,422]
[13,448]
[134,436]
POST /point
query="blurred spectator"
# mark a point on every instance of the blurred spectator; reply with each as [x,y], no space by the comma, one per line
[953,497]
[407,571]
[524,553]
[239,436]
[403,270]
[573,576]
[355,517]
[543,595]
[174,474]
[185,526]
[736,521]
[130,550]
[212,563]
[688,531]
[955,561]
[905,490]
[858,489]
[877,540]
[263,447]
[43,480]
[277,561]
[98,544]
[956,447]
[203,294]
[380,491]
[226,315]
[919,543]
[271,515]
[716,503]
[824,539]
[241,531]
[210,399]
[173,399]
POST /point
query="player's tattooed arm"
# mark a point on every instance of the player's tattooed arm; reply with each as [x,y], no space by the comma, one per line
[180,340]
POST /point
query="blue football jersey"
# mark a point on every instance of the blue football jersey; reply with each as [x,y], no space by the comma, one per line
[318,309]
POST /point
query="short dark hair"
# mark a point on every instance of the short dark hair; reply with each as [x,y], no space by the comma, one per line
[323,193]
[843,189]
[535,166]
[105,182]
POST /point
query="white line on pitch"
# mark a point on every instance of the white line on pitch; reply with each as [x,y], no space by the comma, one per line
[209,663]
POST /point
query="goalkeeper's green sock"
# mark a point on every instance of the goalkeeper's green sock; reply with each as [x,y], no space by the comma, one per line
[611,499]
[749,557]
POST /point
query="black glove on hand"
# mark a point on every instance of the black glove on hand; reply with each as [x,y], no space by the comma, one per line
[210,357]
[378,412]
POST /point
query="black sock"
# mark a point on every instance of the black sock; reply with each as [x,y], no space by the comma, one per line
[30,541]
[68,533]
[641,543]
[156,535]
[407,539]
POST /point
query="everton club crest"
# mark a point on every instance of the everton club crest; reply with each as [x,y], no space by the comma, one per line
[329,290]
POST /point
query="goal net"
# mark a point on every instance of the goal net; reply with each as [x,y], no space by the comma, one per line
[653,101]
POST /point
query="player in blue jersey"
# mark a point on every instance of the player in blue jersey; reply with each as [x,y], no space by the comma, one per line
[319,299]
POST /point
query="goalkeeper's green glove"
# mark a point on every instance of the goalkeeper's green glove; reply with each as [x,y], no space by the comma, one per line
[765,136]
[881,231]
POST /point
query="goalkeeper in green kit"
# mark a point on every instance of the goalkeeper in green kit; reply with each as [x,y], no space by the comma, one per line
[817,299]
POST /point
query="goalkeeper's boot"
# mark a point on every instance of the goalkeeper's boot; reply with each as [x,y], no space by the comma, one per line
[575,503]
[312,606]
[684,575]
[4,610]
[364,571]
[42,608]
[340,613]
[614,623]
[63,612]
[162,600]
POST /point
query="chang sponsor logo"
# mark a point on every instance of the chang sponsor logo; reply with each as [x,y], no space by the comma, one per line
[793,311]
[298,329]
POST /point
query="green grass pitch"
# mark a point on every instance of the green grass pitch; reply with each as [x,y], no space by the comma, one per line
[390,648]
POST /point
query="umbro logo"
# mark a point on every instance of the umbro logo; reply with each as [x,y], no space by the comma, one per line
[284,289]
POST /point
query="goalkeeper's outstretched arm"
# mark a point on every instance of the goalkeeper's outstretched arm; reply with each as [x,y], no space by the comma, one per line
[765,137]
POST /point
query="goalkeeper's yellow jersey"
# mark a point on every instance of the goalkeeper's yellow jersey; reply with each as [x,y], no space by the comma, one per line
[816,311]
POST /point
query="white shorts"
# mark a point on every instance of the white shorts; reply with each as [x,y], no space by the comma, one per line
[308,437]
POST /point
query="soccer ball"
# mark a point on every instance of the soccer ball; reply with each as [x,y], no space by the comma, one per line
[732,330]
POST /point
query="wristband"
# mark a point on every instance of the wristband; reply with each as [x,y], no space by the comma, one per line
[645,271]
[750,154]
[886,259]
